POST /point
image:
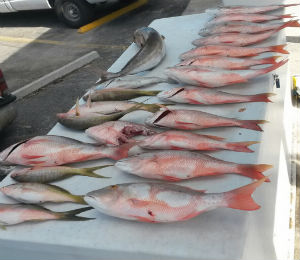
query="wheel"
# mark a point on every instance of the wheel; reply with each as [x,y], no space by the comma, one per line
[74,13]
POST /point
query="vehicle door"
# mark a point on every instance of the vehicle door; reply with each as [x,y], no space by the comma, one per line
[20,5]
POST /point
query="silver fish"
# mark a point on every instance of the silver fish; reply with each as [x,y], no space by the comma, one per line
[152,51]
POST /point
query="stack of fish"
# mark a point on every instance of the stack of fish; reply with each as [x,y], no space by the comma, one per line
[220,60]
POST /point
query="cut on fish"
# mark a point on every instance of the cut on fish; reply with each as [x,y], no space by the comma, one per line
[183,140]
[195,120]
[55,173]
[151,53]
[205,96]
[212,77]
[51,150]
[228,63]
[38,193]
[117,132]
[162,202]
[12,214]
[231,51]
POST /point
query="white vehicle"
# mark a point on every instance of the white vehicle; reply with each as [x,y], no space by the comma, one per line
[74,13]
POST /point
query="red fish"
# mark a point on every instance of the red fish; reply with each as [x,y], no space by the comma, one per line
[52,150]
[162,202]
[231,51]
[195,120]
[211,77]
[204,96]
[182,140]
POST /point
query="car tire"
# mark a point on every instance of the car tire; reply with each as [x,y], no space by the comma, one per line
[74,13]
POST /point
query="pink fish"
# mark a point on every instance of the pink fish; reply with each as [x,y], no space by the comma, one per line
[52,150]
[246,28]
[205,96]
[248,17]
[231,51]
[228,63]
[162,202]
[183,165]
[234,39]
[251,9]
[117,132]
[182,140]
[211,77]
[195,120]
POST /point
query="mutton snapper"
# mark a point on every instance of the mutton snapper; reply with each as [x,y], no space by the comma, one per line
[151,53]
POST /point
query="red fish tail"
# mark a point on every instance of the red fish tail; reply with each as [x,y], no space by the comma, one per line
[269,60]
[292,23]
[271,68]
[252,124]
[279,49]
[241,198]
[253,171]
[241,146]
[286,16]
[263,97]
[287,5]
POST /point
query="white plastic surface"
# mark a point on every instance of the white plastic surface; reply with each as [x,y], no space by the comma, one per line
[218,234]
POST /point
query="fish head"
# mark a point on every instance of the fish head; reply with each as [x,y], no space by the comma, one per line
[169,93]
[105,199]
[141,35]
[155,118]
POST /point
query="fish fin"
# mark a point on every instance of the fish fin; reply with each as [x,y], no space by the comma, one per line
[263,97]
[241,198]
[171,178]
[252,124]
[77,113]
[71,214]
[184,125]
[139,203]
[90,171]
[79,199]
[254,171]
[218,138]
[279,49]
[241,146]
[32,156]
[89,100]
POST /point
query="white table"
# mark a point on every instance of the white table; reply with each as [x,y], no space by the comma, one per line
[218,234]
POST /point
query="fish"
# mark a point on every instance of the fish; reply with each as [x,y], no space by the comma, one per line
[234,39]
[250,9]
[250,28]
[228,63]
[212,77]
[248,17]
[184,165]
[52,150]
[152,52]
[82,121]
[134,81]
[165,202]
[12,214]
[5,170]
[194,120]
[55,173]
[231,51]
[182,140]
[117,94]
[205,96]
[8,114]
[117,132]
[110,107]
[38,193]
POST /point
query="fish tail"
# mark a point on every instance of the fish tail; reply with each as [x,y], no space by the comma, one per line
[105,76]
[292,23]
[263,97]
[79,199]
[286,16]
[252,124]
[269,60]
[71,214]
[241,198]
[241,146]
[90,171]
[273,67]
[287,5]
[253,171]
[279,49]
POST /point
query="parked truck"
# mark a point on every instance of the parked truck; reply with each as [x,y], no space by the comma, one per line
[74,13]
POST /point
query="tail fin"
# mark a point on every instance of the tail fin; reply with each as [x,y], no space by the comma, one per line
[292,23]
[79,199]
[263,97]
[269,60]
[105,76]
[287,5]
[254,171]
[90,171]
[241,198]
[286,16]
[279,49]
[241,146]
[71,214]
[271,68]
[252,124]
